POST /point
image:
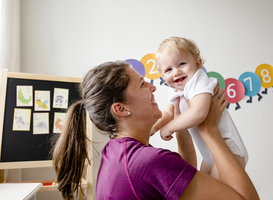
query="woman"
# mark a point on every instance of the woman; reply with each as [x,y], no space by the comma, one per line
[121,103]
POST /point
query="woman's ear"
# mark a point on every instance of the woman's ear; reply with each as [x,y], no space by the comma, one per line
[119,109]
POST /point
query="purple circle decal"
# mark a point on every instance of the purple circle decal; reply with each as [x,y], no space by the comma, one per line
[137,65]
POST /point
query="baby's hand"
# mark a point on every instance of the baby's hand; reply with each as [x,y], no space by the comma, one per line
[152,131]
[165,134]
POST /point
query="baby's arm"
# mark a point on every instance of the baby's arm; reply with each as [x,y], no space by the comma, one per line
[194,115]
[167,116]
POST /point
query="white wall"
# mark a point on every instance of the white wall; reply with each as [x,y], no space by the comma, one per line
[68,37]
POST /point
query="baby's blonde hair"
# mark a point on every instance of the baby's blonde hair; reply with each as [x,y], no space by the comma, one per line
[176,45]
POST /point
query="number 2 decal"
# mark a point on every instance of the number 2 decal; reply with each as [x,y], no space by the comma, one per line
[153,69]
[149,64]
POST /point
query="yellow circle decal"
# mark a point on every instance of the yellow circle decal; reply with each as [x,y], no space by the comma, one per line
[149,63]
[265,72]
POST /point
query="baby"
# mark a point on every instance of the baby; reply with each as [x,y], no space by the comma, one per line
[178,61]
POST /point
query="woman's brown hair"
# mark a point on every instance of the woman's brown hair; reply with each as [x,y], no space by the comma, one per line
[101,87]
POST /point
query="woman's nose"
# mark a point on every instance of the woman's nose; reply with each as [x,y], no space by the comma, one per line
[152,88]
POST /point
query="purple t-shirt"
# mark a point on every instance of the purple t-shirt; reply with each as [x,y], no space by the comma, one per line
[131,170]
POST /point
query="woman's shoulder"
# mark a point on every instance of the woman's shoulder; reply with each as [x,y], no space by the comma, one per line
[136,151]
[150,154]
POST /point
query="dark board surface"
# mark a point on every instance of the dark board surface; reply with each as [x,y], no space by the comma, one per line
[20,146]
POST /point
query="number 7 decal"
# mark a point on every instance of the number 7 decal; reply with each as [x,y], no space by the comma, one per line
[252,83]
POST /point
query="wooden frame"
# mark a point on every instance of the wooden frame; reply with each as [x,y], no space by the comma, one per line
[88,172]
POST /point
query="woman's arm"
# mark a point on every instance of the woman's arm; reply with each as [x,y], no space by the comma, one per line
[186,147]
[184,141]
[234,182]
[194,115]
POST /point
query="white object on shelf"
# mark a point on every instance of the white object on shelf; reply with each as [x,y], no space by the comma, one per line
[19,191]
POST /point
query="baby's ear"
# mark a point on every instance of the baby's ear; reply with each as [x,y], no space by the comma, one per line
[199,63]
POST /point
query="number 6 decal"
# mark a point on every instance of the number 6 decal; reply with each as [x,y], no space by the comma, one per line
[235,90]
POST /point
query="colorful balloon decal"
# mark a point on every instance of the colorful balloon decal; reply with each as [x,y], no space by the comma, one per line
[249,83]
[149,63]
[220,78]
[265,72]
[235,91]
[137,65]
[252,83]
[204,68]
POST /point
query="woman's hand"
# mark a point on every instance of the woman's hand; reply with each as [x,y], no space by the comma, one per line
[216,88]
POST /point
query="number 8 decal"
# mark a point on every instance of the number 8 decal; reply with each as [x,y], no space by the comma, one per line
[235,90]
[265,72]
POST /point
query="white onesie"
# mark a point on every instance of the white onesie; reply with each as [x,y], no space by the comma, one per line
[200,83]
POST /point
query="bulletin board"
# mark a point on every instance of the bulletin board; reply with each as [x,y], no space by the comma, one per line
[32,111]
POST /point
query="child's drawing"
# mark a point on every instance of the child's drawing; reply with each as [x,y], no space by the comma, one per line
[42,126]
[40,123]
[24,95]
[59,119]
[60,99]
[21,120]
[42,100]
[58,124]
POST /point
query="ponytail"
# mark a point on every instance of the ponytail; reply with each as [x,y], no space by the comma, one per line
[101,87]
[71,151]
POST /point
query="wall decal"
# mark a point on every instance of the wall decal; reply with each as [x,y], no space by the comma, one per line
[248,84]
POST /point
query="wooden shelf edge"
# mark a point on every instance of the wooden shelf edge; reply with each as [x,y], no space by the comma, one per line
[21,165]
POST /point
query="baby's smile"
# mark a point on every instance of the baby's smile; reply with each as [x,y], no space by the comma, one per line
[180,80]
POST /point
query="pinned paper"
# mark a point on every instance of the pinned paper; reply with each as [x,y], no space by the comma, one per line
[21,119]
[40,123]
[24,95]
[60,99]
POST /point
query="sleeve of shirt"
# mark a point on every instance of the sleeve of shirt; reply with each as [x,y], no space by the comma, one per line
[167,176]
[178,174]
[199,83]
